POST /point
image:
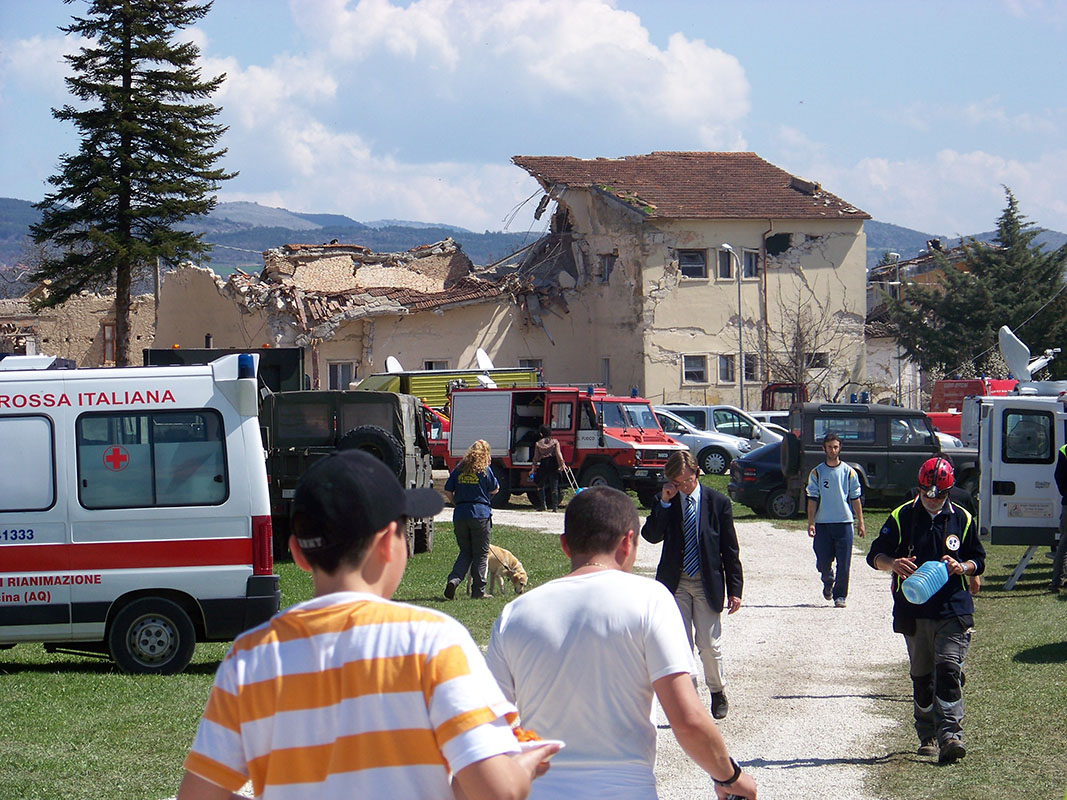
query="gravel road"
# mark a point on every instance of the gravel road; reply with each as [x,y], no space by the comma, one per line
[805,680]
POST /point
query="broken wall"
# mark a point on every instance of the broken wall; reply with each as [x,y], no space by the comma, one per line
[192,304]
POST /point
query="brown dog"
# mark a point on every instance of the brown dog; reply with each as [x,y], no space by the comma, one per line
[503,566]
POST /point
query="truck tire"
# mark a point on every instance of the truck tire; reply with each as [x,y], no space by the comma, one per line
[534,496]
[601,475]
[151,636]
[790,455]
[714,460]
[781,504]
[379,443]
[503,477]
[1057,563]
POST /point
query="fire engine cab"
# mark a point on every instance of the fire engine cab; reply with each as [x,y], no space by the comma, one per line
[606,440]
[134,515]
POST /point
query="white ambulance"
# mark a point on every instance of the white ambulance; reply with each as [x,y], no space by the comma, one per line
[134,516]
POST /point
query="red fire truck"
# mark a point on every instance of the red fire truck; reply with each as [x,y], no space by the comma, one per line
[948,394]
[606,440]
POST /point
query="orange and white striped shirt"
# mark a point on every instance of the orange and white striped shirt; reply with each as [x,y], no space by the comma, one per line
[350,695]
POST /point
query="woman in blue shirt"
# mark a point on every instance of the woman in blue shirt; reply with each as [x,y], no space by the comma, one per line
[469,487]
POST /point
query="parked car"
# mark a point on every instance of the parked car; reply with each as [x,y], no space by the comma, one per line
[884,444]
[772,418]
[713,451]
[729,420]
[756,481]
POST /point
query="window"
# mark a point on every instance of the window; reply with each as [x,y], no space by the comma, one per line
[669,424]
[694,369]
[816,360]
[530,363]
[31,487]
[605,372]
[751,367]
[560,416]
[910,432]
[854,430]
[341,373]
[693,263]
[165,458]
[1027,437]
[694,416]
[727,421]
[726,265]
[607,264]
[726,369]
[435,363]
[750,259]
[108,329]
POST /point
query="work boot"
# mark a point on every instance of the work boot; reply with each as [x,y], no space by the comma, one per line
[450,589]
[928,747]
[828,591]
[951,750]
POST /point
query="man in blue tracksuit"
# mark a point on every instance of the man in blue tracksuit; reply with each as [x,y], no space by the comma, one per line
[833,505]
[932,528]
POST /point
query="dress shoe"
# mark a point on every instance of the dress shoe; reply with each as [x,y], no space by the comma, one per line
[719,705]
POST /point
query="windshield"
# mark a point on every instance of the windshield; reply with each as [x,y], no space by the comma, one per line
[628,415]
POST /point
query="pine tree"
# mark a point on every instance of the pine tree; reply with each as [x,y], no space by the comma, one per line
[951,327]
[147,155]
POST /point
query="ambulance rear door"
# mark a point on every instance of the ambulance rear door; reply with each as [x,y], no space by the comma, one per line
[1019,439]
[34,599]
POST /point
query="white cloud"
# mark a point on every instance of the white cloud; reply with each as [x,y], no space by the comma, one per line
[952,193]
[37,64]
[989,110]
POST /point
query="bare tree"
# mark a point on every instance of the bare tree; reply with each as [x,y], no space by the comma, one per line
[810,341]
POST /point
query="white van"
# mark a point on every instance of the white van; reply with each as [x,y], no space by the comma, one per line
[134,516]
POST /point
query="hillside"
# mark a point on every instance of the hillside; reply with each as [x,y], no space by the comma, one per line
[240,232]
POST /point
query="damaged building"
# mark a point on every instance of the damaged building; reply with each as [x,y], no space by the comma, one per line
[631,287]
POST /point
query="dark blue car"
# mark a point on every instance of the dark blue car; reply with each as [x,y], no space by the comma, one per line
[756,481]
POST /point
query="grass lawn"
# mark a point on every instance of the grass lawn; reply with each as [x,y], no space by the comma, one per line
[74,727]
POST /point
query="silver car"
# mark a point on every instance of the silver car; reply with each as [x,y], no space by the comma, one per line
[713,451]
[726,419]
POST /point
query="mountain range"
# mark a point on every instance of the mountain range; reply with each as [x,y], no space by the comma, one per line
[241,231]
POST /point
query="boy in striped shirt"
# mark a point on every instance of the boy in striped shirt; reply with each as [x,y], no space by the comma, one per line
[350,694]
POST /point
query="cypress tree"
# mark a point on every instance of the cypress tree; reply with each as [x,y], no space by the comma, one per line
[147,155]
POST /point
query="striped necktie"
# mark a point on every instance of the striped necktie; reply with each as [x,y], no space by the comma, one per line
[691,561]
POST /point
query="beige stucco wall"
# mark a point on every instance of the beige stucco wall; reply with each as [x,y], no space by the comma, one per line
[192,305]
[656,316]
[75,330]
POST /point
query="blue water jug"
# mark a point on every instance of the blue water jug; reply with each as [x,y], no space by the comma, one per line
[921,585]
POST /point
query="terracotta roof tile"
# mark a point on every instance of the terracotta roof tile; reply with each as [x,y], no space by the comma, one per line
[695,185]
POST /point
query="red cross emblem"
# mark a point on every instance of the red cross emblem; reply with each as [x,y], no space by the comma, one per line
[116,459]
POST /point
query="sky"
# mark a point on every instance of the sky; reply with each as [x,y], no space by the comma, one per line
[917,112]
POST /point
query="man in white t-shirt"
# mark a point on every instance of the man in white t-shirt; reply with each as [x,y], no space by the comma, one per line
[834,505]
[583,655]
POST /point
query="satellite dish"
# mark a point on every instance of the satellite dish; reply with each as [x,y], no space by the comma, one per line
[483,359]
[486,381]
[1016,354]
[392,365]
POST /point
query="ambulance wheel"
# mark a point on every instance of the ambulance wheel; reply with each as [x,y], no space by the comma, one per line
[714,460]
[151,636]
[378,442]
[601,475]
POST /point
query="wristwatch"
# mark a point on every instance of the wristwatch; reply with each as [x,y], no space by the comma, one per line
[733,778]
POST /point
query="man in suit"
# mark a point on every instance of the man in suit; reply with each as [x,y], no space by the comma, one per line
[700,563]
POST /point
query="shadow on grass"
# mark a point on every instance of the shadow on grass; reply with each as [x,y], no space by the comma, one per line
[1054,653]
[92,666]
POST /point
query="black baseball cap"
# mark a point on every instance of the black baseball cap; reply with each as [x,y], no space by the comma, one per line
[349,496]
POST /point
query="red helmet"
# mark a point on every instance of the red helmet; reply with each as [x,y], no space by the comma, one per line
[936,476]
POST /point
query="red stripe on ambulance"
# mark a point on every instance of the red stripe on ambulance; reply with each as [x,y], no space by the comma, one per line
[128,555]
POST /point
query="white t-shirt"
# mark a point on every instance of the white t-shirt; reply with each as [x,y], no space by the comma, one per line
[578,657]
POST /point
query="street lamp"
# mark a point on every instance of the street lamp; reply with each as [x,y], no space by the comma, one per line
[740,349]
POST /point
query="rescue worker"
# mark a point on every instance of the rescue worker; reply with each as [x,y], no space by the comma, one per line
[933,528]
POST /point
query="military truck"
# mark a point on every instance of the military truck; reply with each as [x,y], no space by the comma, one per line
[299,428]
